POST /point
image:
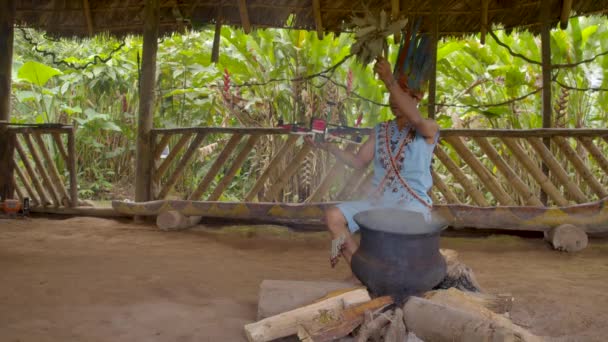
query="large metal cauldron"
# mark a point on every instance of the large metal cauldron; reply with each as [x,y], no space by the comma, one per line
[399,253]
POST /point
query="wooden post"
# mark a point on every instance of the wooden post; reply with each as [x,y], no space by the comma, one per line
[545,38]
[7,18]
[72,167]
[435,42]
[143,179]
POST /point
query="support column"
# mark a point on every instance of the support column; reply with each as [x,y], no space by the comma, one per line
[143,178]
[432,107]
[7,20]
[545,37]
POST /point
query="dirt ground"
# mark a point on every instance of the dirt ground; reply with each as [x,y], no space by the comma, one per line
[88,279]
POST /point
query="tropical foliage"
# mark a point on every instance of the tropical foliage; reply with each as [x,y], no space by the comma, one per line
[273,74]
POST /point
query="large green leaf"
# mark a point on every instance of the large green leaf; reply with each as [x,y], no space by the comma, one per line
[37,73]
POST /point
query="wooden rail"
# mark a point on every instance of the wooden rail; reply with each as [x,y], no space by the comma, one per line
[44,162]
[472,167]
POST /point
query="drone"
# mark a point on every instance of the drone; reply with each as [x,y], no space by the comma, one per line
[322,131]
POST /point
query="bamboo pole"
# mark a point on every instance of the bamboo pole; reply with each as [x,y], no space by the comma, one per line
[395,12]
[42,170]
[507,171]
[360,189]
[172,155]
[537,173]
[291,139]
[336,170]
[565,14]
[33,176]
[545,38]
[160,147]
[484,175]
[18,191]
[351,183]
[432,105]
[221,159]
[143,172]
[7,21]
[244,16]
[558,171]
[580,167]
[215,49]
[89,18]
[54,173]
[469,188]
[484,20]
[181,165]
[595,152]
[236,164]
[72,166]
[291,169]
[449,195]
[316,9]
[60,147]
[7,163]
[27,186]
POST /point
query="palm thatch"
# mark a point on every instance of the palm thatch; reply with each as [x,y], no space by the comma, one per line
[80,18]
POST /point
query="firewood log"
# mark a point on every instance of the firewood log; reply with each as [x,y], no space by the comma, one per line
[286,324]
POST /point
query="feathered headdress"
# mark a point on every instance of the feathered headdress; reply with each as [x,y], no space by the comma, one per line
[413,65]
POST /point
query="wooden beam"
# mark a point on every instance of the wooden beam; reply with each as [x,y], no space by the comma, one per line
[485,176]
[468,186]
[60,147]
[236,165]
[395,12]
[72,158]
[507,171]
[27,186]
[7,19]
[316,10]
[181,166]
[557,170]
[244,16]
[143,174]
[580,167]
[273,163]
[7,162]
[54,173]
[215,50]
[449,195]
[565,15]
[219,162]
[538,174]
[484,20]
[175,150]
[33,176]
[87,15]
[545,38]
[432,105]
[292,168]
[42,171]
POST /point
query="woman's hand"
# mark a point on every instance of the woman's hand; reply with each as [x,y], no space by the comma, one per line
[383,69]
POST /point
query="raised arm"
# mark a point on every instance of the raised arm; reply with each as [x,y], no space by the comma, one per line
[405,102]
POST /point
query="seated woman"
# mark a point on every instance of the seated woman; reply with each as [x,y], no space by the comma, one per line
[401,150]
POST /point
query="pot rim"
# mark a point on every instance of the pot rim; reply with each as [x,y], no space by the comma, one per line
[439,225]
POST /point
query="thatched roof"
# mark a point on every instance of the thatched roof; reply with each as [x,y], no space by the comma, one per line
[120,17]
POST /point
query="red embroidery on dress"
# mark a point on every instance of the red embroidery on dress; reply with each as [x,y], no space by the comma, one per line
[395,171]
